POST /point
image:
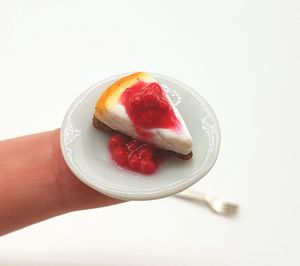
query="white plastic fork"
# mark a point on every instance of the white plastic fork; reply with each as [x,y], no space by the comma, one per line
[217,205]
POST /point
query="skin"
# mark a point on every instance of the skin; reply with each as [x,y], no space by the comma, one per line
[36,183]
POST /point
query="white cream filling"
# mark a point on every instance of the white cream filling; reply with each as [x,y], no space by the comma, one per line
[167,139]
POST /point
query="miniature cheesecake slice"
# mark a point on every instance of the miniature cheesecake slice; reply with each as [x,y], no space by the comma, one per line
[137,106]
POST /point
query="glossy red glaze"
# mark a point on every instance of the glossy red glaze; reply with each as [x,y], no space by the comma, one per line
[134,155]
[147,106]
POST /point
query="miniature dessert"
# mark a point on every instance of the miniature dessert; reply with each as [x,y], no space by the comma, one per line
[138,107]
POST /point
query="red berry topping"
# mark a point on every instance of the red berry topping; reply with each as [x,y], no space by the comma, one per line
[150,98]
[133,145]
[145,152]
[163,105]
[147,166]
[155,87]
[134,162]
[120,155]
[136,102]
[147,107]
[148,117]
[133,154]
[116,141]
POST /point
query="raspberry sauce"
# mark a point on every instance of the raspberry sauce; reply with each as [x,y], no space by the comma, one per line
[147,106]
[134,155]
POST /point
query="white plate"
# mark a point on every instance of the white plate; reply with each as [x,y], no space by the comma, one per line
[85,148]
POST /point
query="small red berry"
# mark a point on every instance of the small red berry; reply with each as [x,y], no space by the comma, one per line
[155,87]
[148,117]
[136,102]
[120,155]
[145,152]
[163,105]
[116,141]
[147,166]
[134,162]
[150,98]
[133,145]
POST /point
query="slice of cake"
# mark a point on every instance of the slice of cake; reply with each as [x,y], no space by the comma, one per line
[137,106]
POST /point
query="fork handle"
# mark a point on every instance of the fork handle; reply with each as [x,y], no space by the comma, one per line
[192,195]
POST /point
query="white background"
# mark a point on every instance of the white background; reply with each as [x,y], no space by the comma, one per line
[242,56]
